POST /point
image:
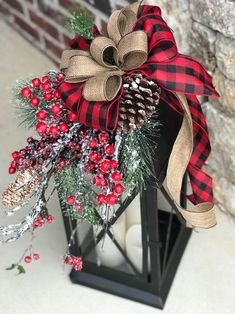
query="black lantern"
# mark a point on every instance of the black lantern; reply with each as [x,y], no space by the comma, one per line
[140,262]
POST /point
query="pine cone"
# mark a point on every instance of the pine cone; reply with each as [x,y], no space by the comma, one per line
[23,186]
[138,102]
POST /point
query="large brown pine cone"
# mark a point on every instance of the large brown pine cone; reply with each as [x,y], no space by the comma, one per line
[138,102]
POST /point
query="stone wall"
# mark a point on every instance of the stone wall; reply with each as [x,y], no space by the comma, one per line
[206,30]
[203,28]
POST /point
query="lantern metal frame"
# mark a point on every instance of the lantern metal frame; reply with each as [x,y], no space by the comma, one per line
[165,252]
[164,233]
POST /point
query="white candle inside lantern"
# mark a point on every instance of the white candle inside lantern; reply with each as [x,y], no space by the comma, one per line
[134,246]
[133,213]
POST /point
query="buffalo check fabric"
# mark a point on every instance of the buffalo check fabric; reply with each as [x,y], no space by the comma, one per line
[175,73]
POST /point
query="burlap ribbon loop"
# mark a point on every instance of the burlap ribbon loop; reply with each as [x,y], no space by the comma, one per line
[98,48]
[129,50]
[105,85]
[121,23]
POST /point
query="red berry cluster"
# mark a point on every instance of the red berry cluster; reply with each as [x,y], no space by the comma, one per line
[73,200]
[40,221]
[102,163]
[28,259]
[43,96]
[35,153]
[75,261]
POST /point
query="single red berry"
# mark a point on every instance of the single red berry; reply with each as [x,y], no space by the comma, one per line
[54,130]
[112,199]
[34,101]
[22,152]
[103,183]
[78,207]
[110,150]
[50,219]
[64,127]
[95,157]
[36,224]
[41,128]
[118,188]
[36,82]
[41,115]
[68,260]
[103,137]
[46,87]
[60,77]
[77,147]
[56,94]
[12,170]
[89,168]
[28,259]
[116,176]
[97,180]
[101,199]
[26,92]
[72,116]
[105,166]
[45,78]
[71,200]
[56,109]
[36,256]
[93,143]
[78,266]
[114,163]
[15,155]
[48,96]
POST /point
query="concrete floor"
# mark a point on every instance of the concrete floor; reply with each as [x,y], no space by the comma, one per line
[205,281]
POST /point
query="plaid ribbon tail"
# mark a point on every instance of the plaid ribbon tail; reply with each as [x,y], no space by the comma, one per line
[201,182]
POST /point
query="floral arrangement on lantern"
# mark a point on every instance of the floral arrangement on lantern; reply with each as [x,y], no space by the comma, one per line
[96,119]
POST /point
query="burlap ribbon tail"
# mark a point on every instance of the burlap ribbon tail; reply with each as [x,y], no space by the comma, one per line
[201,215]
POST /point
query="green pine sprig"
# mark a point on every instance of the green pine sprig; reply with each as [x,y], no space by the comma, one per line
[80,22]
[136,155]
[69,182]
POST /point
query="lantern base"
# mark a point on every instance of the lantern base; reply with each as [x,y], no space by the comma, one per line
[117,283]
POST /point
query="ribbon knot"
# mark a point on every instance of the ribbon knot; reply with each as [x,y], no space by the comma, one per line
[103,79]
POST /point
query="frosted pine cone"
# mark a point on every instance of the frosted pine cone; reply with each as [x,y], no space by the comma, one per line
[24,185]
[138,102]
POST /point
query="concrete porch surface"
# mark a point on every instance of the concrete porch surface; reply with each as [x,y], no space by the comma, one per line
[205,281]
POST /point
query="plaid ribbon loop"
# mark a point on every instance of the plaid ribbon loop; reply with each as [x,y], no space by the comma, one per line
[175,73]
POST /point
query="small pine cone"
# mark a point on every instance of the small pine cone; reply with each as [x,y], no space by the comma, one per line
[23,186]
[138,102]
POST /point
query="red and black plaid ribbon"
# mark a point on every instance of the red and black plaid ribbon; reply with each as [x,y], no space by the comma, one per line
[174,72]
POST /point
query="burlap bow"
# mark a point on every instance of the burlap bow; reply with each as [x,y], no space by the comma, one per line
[129,50]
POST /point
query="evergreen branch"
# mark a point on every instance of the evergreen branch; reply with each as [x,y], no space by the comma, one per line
[69,182]
[137,153]
[80,22]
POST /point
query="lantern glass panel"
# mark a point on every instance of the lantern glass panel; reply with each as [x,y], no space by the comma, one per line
[120,248]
